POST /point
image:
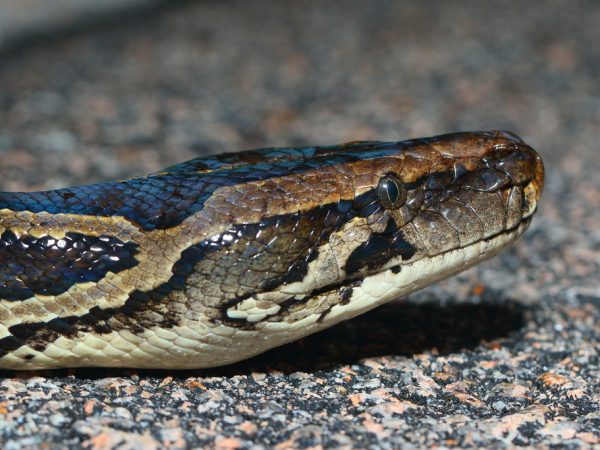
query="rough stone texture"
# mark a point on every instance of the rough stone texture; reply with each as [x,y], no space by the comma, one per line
[503,355]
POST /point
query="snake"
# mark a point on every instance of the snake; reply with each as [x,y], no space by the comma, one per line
[217,259]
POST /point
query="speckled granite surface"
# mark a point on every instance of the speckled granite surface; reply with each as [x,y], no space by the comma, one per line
[503,355]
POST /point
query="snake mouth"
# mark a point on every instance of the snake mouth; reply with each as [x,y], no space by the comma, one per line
[491,220]
[398,281]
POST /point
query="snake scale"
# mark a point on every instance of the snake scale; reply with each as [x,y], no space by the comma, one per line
[220,258]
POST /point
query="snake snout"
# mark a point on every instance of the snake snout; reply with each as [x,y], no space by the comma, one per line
[538,179]
[507,155]
[518,162]
[523,167]
[522,164]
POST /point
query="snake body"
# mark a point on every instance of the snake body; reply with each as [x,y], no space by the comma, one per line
[223,257]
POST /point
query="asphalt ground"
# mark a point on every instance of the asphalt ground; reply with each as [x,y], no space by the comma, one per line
[503,355]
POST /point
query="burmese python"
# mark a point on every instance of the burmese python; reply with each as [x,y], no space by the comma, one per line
[223,257]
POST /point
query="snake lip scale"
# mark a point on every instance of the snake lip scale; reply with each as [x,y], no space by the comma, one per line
[220,258]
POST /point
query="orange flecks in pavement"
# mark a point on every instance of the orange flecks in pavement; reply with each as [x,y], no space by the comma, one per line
[88,408]
[196,384]
[225,443]
[553,379]
[478,290]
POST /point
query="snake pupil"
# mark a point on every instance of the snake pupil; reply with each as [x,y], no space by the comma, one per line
[391,191]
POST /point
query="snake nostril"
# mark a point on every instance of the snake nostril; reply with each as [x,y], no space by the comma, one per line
[485,180]
[519,165]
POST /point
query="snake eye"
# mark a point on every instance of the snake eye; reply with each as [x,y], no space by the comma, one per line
[391,191]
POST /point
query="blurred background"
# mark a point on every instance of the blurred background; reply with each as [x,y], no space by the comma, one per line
[111,88]
[93,91]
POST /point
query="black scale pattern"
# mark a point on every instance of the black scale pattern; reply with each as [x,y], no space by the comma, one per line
[30,266]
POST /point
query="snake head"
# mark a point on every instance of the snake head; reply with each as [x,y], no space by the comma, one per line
[464,188]
[376,221]
[423,198]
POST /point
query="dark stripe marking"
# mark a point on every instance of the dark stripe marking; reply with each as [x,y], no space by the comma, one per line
[39,334]
[379,249]
[32,266]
